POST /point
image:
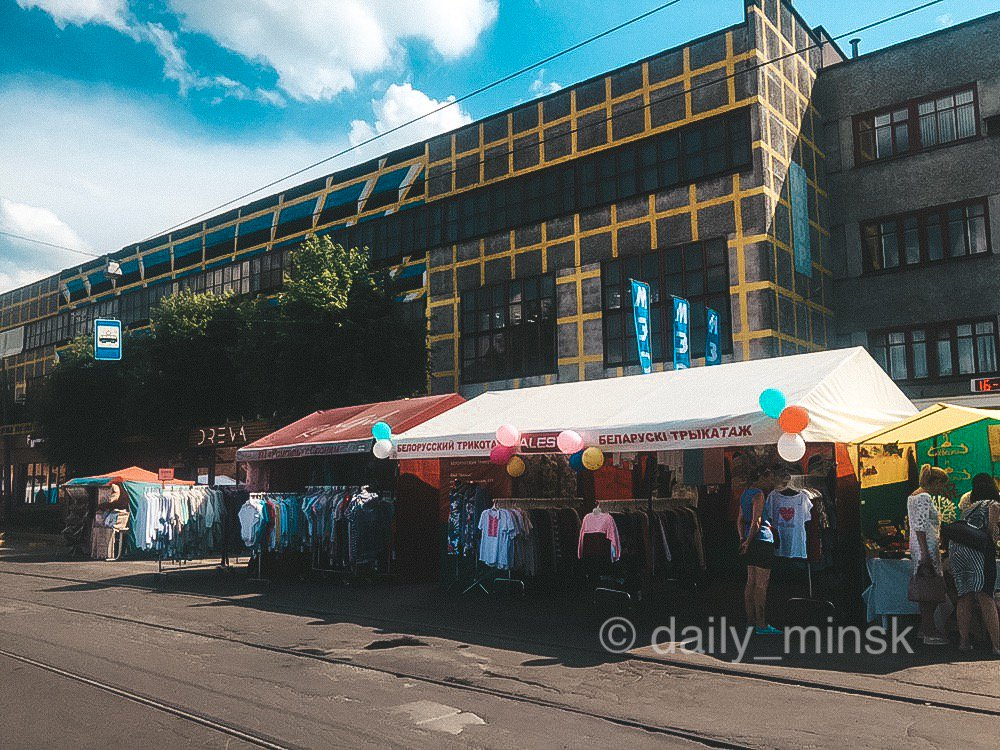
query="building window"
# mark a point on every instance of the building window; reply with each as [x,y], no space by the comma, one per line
[941,351]
[930,235]
[916,125]
[509,330]
[699,272]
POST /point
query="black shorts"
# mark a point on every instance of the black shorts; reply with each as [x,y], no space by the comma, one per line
[760,554]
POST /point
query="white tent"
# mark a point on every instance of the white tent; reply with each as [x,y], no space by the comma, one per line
[845,392]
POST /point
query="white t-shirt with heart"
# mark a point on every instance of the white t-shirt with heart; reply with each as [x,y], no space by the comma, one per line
[788,514]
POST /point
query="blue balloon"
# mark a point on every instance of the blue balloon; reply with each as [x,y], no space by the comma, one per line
[772,402]
[381,431]
[576,461]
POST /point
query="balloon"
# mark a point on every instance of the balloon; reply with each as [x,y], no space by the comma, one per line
[508,435]
[576,461]
[791,447]
[381,431]
[501,454]
[382,448]
[593,459]
[569,442]
[515,467]
[772,401]
[793,419]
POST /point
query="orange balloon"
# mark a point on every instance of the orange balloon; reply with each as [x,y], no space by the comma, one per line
[793,419]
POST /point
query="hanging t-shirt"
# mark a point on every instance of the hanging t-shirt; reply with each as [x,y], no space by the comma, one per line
[788,514]
[497,528]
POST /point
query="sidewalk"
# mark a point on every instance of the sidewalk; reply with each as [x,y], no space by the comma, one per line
[556,628]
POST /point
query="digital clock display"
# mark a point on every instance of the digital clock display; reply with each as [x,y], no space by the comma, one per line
[986,385]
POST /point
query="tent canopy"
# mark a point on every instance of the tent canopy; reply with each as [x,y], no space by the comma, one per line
[347,429]
[934,420]
[845,391]
[131,474]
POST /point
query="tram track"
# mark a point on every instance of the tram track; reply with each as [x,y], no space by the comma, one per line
[230,730]
[719,670]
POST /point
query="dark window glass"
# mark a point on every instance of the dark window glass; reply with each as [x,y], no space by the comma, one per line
[699,272]
[509,330]
[941,351]
[925,236]
[915,125]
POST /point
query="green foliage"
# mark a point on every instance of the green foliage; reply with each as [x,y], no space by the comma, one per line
[333,338]
[322,275]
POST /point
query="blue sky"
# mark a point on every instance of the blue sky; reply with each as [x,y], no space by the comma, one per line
[119,118]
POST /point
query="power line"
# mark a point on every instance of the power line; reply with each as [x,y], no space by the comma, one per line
[455,102]
[50,244]
[576,129]
[675,95]
[540,141]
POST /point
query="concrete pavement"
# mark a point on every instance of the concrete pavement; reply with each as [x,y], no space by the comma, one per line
[314,664]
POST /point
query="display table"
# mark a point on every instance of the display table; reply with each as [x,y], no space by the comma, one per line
[890,583]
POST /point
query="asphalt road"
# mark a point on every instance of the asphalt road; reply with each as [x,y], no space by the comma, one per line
[89,658]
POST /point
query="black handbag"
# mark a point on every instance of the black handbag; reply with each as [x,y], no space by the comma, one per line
[964,533]
[926,585]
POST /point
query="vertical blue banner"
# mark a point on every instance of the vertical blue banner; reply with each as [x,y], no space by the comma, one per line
[643,334]
[682,338]
[713,348]
[798,192]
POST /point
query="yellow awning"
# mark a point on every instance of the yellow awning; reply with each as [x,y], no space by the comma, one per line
[932,421]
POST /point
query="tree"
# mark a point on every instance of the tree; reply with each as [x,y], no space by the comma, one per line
[333,337]
[322,275]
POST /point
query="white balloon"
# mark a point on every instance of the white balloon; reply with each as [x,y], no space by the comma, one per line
[791,447]
[382,448]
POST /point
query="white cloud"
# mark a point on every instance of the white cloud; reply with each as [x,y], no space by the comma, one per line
[25,261]
[945,19]
[541,87]
[112,13]
[115,13]
[400,104]
[112,170]
[176,68]
[97,170]
[319,47]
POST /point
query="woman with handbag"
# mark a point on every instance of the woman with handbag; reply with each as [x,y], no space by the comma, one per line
[926,579]
[975,567]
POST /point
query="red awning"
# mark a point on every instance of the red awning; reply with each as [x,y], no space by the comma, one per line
[347,429]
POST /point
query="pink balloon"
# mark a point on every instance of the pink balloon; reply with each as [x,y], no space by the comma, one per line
[501,454]
[569,442]
[508,435]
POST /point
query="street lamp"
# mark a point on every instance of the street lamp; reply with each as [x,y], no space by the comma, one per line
[114,272]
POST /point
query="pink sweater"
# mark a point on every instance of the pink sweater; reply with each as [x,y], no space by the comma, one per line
[600,523]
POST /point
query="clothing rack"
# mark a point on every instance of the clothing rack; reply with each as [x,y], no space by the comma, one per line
[801,482]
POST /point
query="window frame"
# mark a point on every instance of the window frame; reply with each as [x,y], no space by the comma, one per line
[472,306]
[661,310]
[932,335]
[923,217]
[915,143]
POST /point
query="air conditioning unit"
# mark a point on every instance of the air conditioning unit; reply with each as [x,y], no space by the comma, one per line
[20,393]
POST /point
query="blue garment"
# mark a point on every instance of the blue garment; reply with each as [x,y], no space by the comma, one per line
[746,505]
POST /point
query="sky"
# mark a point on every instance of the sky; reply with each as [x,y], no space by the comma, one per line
[121,118]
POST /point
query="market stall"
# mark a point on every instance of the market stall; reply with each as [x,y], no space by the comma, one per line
[101,509]
[962,441]
[317,498]
[677,435]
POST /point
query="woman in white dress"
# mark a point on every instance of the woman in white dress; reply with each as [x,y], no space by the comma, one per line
[925,547]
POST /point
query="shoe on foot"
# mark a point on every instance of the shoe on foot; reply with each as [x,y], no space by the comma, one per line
[935,640]
[767,630]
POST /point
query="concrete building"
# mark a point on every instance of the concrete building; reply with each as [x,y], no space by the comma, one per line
[912,136]
[703,170]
